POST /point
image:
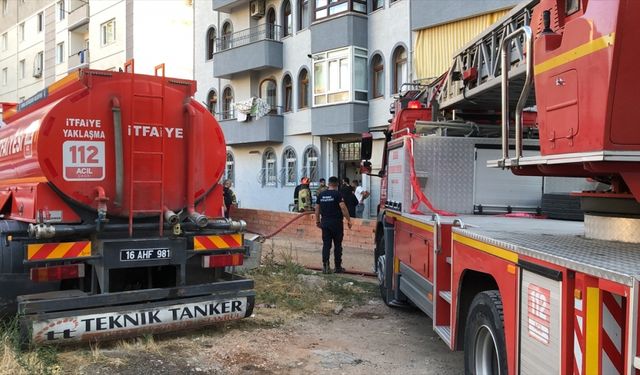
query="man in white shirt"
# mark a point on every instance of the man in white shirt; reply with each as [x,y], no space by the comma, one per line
[361,194]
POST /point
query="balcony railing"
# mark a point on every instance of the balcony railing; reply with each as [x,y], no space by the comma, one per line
[79,60]
[266,31]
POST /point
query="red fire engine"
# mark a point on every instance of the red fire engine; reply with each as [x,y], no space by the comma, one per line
[111,211]
[517,292]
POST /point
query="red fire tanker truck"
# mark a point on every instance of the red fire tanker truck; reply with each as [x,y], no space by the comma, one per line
[111,211]
[518,293]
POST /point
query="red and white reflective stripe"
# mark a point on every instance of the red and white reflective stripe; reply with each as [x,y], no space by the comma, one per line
[227,260]
[612,334]
[578,336]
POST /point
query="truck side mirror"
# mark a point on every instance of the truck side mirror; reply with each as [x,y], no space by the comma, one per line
[366,146]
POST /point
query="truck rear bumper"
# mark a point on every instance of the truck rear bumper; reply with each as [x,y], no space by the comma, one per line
[72,316]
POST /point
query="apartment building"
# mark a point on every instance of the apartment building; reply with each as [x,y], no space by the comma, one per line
[328,71]
[42,41]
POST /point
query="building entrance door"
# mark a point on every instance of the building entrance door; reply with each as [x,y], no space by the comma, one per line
[349,161]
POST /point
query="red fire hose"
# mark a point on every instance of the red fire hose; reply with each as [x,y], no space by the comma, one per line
[281,228]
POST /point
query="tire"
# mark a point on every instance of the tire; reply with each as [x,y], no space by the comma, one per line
[484,344]
[381,269]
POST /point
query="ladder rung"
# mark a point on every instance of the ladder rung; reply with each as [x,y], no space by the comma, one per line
[147,182]
[148,153]
[146,211]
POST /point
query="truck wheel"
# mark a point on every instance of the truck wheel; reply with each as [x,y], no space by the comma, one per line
[381,269]
[484,347]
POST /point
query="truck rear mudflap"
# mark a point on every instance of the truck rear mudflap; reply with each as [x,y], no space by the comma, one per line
[73,316]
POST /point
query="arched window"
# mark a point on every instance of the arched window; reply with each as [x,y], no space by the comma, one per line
[287,19]
[303,89]
[227,104]
[310,164]
[303,14]
[377,76]
[212,101]
[400,69]
[289,167]
[229,170]
[287,91]
[268,91]
[269,168]
[271,25]
[211,38]
[227,31]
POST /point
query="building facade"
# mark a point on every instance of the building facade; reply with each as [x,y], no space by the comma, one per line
[42,41]
[328,70]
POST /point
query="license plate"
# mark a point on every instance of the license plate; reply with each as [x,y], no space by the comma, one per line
[132,255]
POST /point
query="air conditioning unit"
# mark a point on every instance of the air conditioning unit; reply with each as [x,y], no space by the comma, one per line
[37,65]
[257,8]
[37,72]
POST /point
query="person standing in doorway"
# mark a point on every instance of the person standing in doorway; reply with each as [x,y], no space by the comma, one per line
[361,194]
[229,198]
[330,214]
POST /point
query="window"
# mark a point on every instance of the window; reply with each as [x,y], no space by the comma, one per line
[108,32]
[400,74]
[5,42]
[21,32]
[340,76]
[289,167]
[5,7]
[303,88]
[326,8]
[227,30]
[377,4]
[60,53]
[229,170]
[287,93]
[227,104]
[572,6]
[38,63]
[21,66]
[310,167]
[287,19]
[62,12]
[5,76]
[269,168]
[268,90]
[377,76]
[211,37]
[303,14]
[212,101]
[40,21]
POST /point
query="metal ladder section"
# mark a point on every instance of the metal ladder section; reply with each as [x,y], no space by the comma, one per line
[474,78]
[134,154]
[442,296]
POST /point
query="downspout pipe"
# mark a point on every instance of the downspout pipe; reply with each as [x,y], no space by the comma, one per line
[118,150]
[192,139]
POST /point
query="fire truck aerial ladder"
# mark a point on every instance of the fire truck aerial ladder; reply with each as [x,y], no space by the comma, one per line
[534,118]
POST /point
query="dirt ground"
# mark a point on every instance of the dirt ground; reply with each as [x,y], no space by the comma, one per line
[367,339]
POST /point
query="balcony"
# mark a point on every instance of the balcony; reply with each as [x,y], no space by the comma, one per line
[226,5]
[267,129]
[78,15]
[340,119]
[78,60]
[255,48]
[340,31]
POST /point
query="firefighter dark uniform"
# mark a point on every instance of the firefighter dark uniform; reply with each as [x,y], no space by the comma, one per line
[331,223]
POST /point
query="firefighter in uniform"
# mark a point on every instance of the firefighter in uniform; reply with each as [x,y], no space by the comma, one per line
[304,196]
[330,213]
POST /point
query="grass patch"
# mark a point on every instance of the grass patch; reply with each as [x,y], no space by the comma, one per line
[283,283]
[41,360]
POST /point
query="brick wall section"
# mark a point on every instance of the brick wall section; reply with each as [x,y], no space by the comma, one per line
[361,235]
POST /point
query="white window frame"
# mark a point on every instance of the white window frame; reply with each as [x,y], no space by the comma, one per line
[5,7]
[270,169]
[21,32]
[5,76]
[348,55]
[60,53]
[21,69]
[62,10]
[307,170]
[40,22]
[289,166]
[5,41]
[104,36]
